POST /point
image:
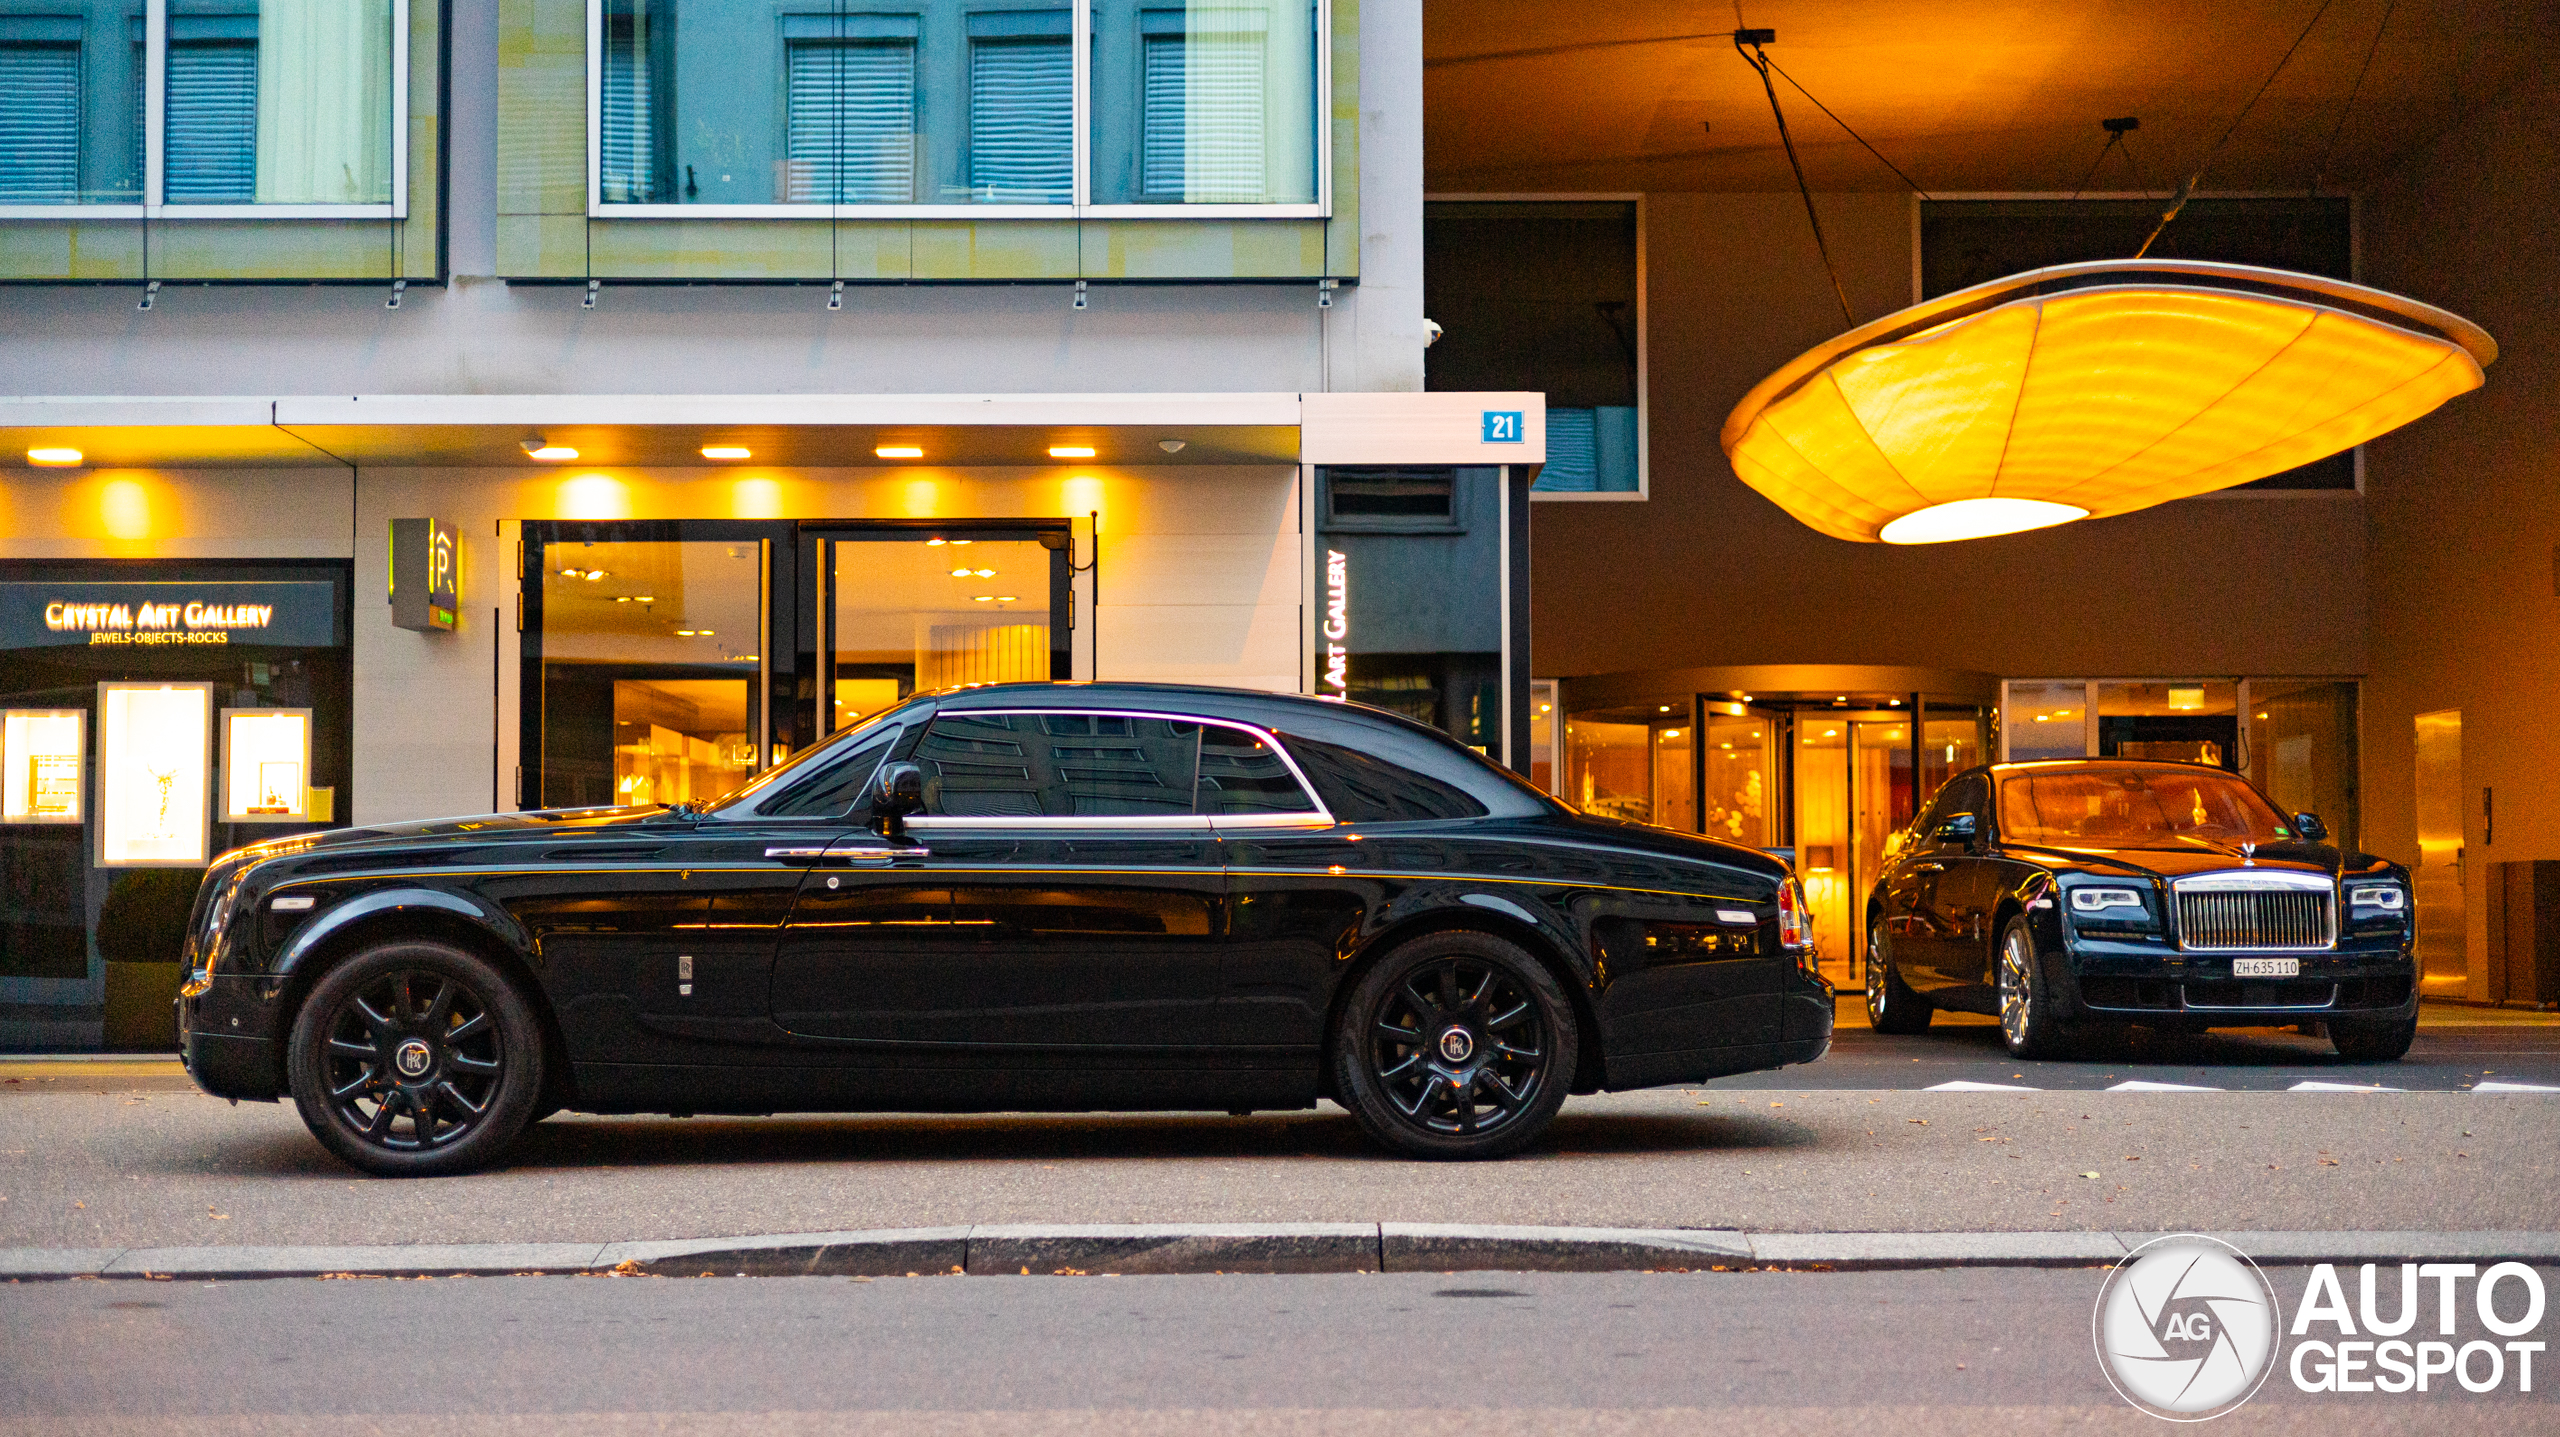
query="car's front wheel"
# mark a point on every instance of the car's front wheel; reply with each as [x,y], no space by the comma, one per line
[1891,1005]
[2373,1042]
[416,1059]
[1455,1045]
[2028,1024]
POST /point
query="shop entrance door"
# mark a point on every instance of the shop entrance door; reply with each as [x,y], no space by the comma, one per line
[1852,790]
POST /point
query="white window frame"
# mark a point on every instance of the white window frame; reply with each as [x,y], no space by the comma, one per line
[155,100]
[1080,206]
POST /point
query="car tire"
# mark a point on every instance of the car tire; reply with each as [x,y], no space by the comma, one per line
[2373,1042]
[2029,1028]
[1444,1027]
[416,1059]
[1891,1005]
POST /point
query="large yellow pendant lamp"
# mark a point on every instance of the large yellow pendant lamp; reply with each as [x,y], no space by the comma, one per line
[2086,390]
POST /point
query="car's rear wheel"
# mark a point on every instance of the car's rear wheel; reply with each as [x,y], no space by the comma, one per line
[1455,1045]
[2373,1042]
[1891,1005]
[2028,1025]
[416,1059]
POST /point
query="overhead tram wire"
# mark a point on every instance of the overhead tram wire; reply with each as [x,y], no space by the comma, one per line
[2187,191]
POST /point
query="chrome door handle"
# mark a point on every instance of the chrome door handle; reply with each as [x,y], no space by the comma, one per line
[849,854]
[812,854]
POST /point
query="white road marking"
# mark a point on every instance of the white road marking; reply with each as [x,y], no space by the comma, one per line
[2139,1085]
[2493,1086]
[2316,1086]
[1962,1086]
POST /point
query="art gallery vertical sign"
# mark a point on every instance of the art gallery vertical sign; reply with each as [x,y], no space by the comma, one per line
[1336,684]
[154,774]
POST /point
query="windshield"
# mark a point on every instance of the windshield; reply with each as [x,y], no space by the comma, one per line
[740,801]
[2136,808]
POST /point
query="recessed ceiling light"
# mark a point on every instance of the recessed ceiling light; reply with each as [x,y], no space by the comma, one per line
[899,451]
[986,573]
[54,455]
[935,543]
[982,598]
[962,573]
[725,451]
[1004,598]
[541,448]
[1070,451]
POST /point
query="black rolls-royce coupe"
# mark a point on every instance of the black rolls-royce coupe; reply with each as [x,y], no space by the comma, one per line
[2078,891]
[1015,897]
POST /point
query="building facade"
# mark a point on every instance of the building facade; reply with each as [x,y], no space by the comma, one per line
[429,410]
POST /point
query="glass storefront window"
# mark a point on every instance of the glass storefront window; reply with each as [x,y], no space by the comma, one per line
[914,613]
[2176,720]
[1413,559]
[1740,780]
[1204,102]
[2302,750]
[1634,762]
[652,670]
[2045,720]
[1542,734]
[1950,743]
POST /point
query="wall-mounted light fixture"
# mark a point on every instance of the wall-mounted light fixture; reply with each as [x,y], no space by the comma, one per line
[538,447]
[898,451]
[54,456]
[1070,451]
[726,451]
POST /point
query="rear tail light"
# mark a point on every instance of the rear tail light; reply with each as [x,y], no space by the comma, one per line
[1793,923]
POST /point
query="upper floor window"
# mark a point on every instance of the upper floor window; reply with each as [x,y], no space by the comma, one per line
[777,106]
[263,107]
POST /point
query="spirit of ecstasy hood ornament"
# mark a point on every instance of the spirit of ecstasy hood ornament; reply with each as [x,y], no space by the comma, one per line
[2248,855]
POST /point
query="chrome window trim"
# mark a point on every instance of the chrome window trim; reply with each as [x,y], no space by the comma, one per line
[1317,817]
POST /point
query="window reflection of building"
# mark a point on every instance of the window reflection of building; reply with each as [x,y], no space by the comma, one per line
[1740,790]
[2294,738]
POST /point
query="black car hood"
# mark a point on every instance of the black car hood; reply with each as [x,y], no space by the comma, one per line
[1671,843]
[559,822]
[2169,863]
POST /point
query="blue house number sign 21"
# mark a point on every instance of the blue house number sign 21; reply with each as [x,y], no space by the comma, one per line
[1502,426]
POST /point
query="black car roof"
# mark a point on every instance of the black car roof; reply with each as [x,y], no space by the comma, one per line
[1202,700]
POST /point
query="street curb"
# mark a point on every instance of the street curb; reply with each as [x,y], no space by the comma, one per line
[1190,1248]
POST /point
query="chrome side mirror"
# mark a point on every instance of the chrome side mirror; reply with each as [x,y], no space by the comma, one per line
[2311,828]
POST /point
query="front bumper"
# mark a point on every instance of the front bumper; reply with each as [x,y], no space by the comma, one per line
[226,1038]
[2106,980]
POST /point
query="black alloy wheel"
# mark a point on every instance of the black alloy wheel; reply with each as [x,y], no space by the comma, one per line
[2027,1022]
[416,1059]
[1891,1005]
[2384,1042]
[1455,1045]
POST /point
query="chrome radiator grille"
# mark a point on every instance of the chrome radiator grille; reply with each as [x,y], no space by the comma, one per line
[2264,918]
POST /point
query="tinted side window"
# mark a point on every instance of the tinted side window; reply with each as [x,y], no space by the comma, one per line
[835,788]
[1058,765]
[1362,789]
[1240,774]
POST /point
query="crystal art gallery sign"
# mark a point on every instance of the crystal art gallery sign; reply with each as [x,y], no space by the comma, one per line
[285,615]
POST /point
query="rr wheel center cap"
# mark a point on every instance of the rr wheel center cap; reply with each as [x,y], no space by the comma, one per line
[1457,1045]
[413,1058]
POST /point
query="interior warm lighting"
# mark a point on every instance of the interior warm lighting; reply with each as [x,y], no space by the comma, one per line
[1977,519]
[1070,451]
[2186,696]
[898,451]
[2089,390]
[54,456]
[535,446]
[725,451]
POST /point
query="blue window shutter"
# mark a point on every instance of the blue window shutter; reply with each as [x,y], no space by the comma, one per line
[1021,121]
[39,124]
[211,147]
[851,131]
[1573,452]
[1201,138]
[627,150]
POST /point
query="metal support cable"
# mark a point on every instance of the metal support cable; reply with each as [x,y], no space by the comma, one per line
[2187,191]
[1760,65]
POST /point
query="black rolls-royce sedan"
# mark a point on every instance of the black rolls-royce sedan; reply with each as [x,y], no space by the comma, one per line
[1015,897]
[2077,891]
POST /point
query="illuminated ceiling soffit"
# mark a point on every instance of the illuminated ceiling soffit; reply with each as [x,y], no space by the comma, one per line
[2088,390]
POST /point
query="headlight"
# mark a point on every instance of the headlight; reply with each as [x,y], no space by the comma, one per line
[2381,897]
[2099,900]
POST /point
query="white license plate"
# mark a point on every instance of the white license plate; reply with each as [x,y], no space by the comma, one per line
[2266,967]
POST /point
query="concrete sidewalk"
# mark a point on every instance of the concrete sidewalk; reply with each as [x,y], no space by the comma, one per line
[1191,1248]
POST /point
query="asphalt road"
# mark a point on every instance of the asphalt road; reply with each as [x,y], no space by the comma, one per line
[1414,1355]
[146,1162]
